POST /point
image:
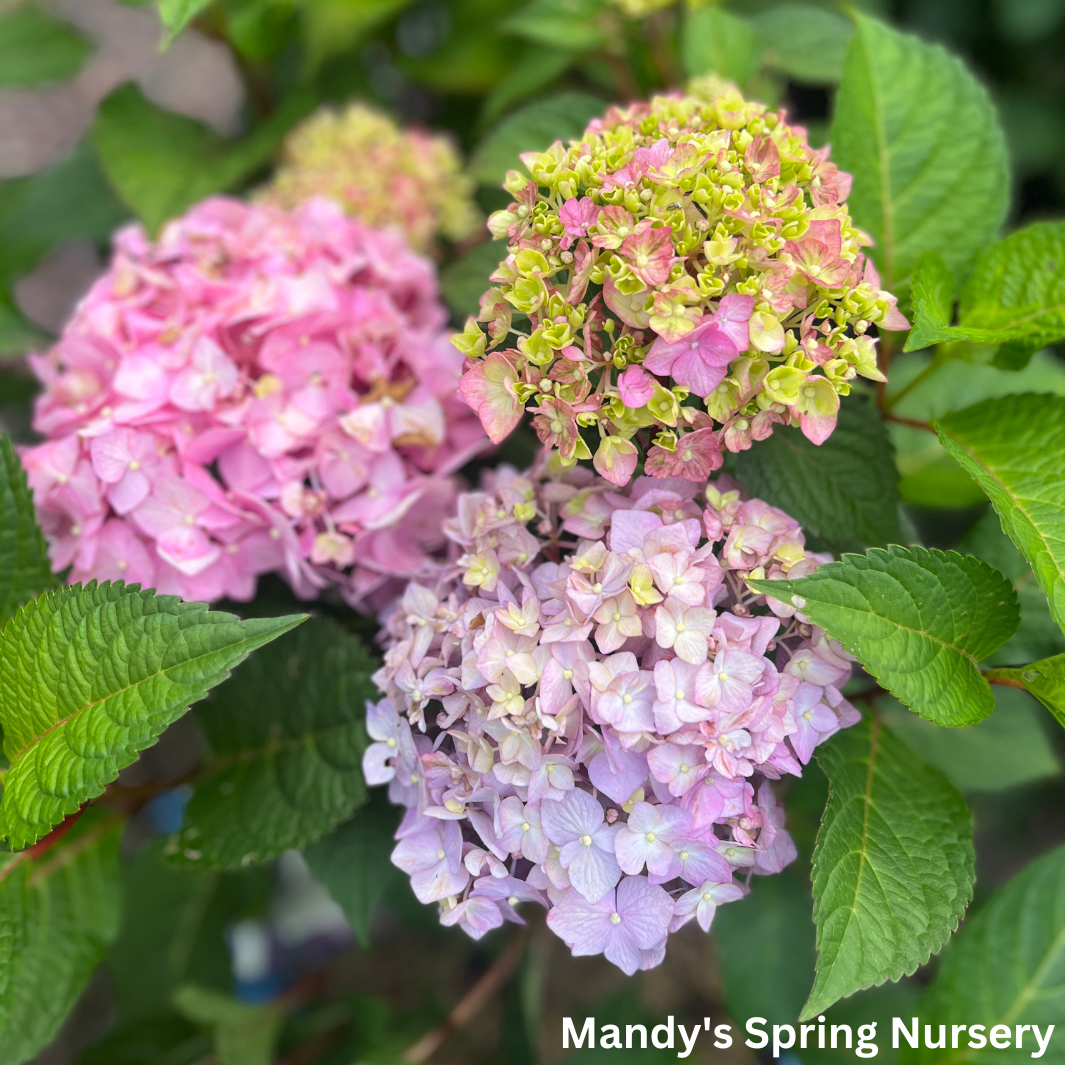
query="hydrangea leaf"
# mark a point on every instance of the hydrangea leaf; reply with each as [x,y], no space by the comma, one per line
[24,568]
[893,866]
[90,676]
[175,15]
[1006,965]
[59,910]
[1015,296]
[1005,750]
[241,1034]
[844,491]
[287,737]
[579,23]
[921,138]
[1014,448]
[160,163]
[1045,680]
[917,620]
[807,43]
[532,128]
[354,863]
[36,49]
[715,42]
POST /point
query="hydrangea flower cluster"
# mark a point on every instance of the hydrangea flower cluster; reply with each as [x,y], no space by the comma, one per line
[588,709]
[681,279]
[257,391]
[383,175]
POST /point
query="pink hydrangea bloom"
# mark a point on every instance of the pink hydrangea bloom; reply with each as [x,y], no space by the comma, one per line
[682,277]
[593,702]
[256,391]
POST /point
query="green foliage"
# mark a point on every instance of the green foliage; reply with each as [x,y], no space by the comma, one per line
[714,42]
[90,676]
[24,568]
[36,48]
[1014,449]
[1005,750]
[1045,680]
[353,864]
[845,491]
[1014,298]
[287,736]
[59,909]
[929,476]
[920,136]
[919,621]
[579,23]
[893,867]
[766,949]
[161,163]
[68,201]
[175,15]
[532,128]
[242,1035]
[804,42]
[464,281]
[1007,964]
[1038,635]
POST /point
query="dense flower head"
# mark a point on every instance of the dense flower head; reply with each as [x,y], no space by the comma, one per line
[587,710]
[681,278]
[379,173]
[256,391]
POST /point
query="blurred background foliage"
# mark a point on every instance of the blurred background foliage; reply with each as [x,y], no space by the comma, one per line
[113,111]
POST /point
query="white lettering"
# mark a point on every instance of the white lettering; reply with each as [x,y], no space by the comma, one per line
[753,1029]
[570,1032]
[1043,1043]
[689,1043]
[898,1028]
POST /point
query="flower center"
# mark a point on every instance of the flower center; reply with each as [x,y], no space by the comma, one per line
[525,826]
[615,918]
[586,841]
[440,855]
[650,837]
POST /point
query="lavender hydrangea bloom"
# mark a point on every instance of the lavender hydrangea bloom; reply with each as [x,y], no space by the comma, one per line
[598,704]
[619,925]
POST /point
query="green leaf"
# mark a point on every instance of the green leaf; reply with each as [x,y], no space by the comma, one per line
[161,163]
[1045,680]
[175,15]
[893,866]
[354,864]
[242,1035]
[576,22]
[933,302]
[921,138]
[332,27]
[1015,297]
[929,476]
[59,909]
[1038,635]
[287,736]
[1006,965]
[766,948]
[536,68]
[68,201]
[17,336]
[464,281]
[1003,751]
[90,676]
[36,49]
[24,568]
[845,492]
[807,43]
[714,42]
[532,128]
[917,620]
[1014,448]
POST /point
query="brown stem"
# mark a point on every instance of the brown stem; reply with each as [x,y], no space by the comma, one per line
[1006,682]
[884,360]
[471,1003]
[912,422]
